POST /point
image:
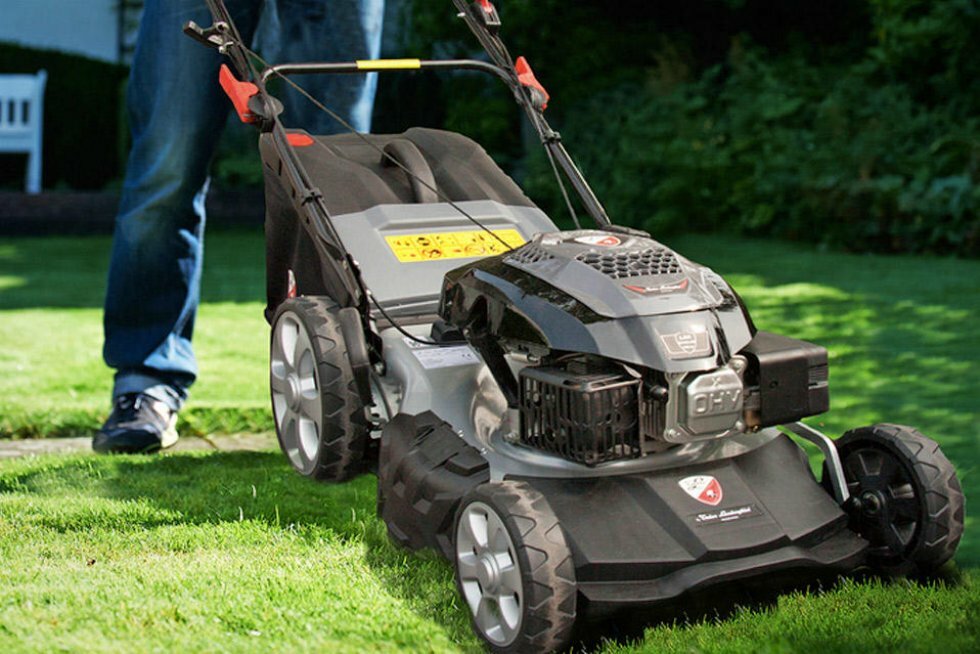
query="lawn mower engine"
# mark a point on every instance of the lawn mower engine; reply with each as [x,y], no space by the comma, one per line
[612,346]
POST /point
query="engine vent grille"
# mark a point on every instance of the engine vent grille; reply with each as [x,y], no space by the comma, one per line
[590,419]
[635,263]
[528,254]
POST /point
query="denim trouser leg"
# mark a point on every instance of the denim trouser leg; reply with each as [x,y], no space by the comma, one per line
[177,111]
[328,30]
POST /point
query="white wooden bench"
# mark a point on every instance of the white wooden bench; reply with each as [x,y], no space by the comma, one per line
[22,121]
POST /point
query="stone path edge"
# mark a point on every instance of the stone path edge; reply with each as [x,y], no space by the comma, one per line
[12,449]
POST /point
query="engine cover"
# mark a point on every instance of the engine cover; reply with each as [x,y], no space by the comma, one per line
[623,297]
[617,275]
[711,403]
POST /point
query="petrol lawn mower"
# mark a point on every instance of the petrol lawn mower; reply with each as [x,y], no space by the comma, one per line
[579,421]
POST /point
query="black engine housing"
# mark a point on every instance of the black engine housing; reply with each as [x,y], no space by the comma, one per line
[611,326]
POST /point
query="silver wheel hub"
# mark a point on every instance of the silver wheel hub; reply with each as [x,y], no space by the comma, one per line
[489,573]
[296,402]
[292,391]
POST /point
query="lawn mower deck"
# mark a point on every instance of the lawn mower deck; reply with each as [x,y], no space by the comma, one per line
[657,540]
[578,420]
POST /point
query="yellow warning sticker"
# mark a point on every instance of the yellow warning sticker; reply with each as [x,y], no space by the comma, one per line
[452,245]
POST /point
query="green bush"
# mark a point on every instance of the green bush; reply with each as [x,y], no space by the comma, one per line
[851,124]
[82,118]
[786,149]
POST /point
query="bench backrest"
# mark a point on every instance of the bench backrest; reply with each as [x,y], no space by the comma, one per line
[21,104]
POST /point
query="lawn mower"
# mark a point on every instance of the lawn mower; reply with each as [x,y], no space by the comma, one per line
[580,421]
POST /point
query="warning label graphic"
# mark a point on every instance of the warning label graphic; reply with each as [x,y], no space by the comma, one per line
[442,357]
[410,248]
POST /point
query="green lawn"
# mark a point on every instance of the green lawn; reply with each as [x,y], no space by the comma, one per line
[51,293]
[233,551]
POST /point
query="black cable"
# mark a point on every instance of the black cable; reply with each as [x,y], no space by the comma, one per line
[404,331]
[564,191]
[497,50]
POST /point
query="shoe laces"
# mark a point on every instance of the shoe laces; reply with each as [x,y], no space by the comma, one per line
[128,406]
[133,407]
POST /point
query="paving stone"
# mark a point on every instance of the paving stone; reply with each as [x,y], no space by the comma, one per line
[232,443]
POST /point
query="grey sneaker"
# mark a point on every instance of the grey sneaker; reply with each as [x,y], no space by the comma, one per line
[138,424]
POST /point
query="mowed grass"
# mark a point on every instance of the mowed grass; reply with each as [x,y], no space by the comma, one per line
[207,552]
[229,552]
[232,552]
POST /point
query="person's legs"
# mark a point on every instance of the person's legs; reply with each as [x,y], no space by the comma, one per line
[329,30]
[176,111]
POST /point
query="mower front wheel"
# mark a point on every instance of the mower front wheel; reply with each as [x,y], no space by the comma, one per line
[319,416]
[514,569]
[905,497]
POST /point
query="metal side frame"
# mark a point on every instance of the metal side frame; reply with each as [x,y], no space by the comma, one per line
[831,457]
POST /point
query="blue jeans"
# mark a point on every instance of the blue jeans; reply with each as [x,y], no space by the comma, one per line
[177,111]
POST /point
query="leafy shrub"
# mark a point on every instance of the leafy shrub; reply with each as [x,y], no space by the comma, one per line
[783,147]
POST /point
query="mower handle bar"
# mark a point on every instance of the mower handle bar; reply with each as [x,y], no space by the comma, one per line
[224,36]
[383,65]
[550,139]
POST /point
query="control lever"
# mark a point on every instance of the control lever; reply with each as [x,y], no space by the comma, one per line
[210,36]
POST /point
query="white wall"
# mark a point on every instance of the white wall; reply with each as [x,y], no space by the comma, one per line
[87,27]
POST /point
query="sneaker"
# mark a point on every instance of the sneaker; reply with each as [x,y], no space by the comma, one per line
[138,424]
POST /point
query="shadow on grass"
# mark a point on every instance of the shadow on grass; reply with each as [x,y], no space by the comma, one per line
[227,487]
[201,488]
[726,602]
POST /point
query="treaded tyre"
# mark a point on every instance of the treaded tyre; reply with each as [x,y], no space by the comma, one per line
[514,569]
[907,501]
[319,416]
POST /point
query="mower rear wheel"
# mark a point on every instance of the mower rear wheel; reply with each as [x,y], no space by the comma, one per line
[905,497]
[514,569]
[319,416]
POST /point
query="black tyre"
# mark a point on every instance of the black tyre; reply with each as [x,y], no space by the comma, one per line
[906,499]
[514,570]
[319,416]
